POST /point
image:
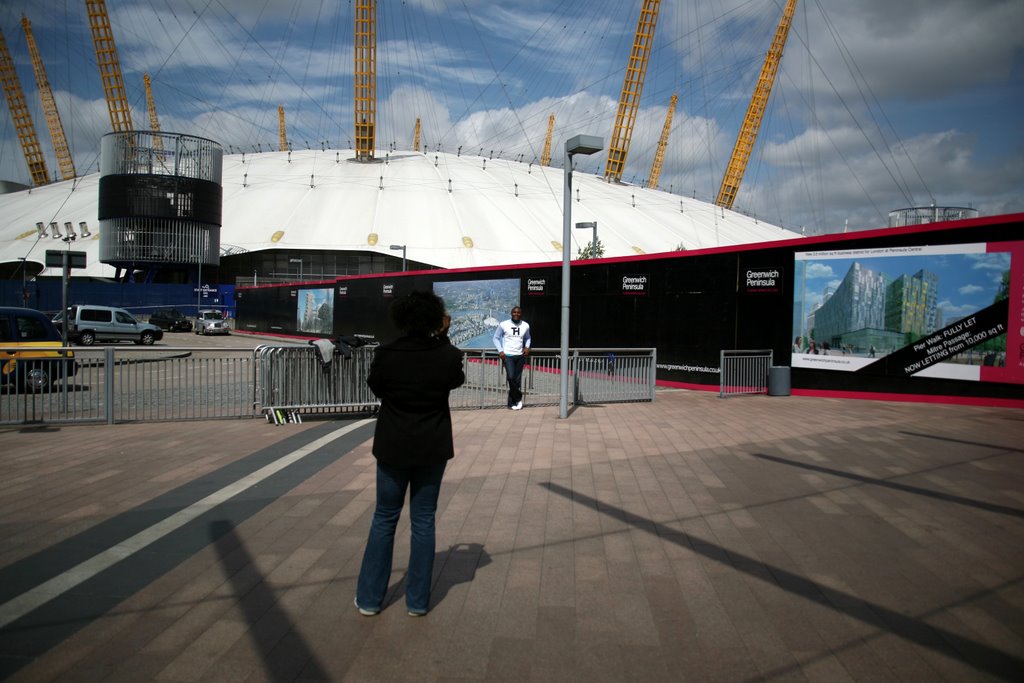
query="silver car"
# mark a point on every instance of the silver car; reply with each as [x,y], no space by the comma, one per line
[211,322]
[90,324]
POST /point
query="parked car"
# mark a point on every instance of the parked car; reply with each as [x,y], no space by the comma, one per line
[32,369]
[212,322]
[89,324]
[171,319]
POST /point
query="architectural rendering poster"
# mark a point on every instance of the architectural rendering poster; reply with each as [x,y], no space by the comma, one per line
[315,311]
[476,307]
[950,311]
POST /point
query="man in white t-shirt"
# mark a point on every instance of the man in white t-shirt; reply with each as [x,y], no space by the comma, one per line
[512,340]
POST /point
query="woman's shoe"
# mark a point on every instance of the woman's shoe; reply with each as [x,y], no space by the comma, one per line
[365,612]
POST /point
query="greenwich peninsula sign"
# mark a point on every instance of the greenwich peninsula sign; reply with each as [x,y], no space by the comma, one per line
[763,281]
[635,285]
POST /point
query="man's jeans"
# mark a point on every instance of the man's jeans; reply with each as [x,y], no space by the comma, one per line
[424,483]
[514,373]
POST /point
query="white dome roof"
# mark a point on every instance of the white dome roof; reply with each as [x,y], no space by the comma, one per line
[448,210]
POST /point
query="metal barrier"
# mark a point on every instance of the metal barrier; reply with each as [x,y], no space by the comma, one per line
[146,384]
[597,376]
[294,380]
[486,387]
[614,375]
[744,372]
[131,384]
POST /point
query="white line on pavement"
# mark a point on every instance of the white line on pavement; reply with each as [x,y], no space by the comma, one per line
[26,602]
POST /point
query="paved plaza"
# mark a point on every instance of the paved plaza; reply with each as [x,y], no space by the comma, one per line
[690,539]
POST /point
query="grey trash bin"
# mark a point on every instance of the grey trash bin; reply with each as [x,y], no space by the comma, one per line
[778,380]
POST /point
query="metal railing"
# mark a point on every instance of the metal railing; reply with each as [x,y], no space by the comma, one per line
[296,379]
[744,371]
[113,384]
[147,384]
[596,376]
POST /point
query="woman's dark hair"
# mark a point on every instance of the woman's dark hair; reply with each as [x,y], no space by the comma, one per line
[419,314]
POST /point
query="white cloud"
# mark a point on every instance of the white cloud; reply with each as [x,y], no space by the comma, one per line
[819,270]
[970,289]
[998,261]
[951,311]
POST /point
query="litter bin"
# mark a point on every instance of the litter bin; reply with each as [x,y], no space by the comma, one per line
[778,380]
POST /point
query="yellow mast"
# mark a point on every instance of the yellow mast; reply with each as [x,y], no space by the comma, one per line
[282,132]
[22,118]
[659,156]
[110,66]
[154,121]
[632,86]
[755,112]
[416,136]
[60,143]
[365,78]
[545,156]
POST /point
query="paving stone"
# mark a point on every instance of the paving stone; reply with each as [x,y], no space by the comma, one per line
[694,538]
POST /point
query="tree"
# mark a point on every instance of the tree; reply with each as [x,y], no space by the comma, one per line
[324,316]
[1004,287]
[590,251]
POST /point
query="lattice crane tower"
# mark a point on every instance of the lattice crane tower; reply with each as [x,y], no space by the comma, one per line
[154,120]
[755,112]
[659,155]
[416,136]
[110,66]
[21,117]
[60,143]
[632,87]
[545,155]
[365,78]
[282,132]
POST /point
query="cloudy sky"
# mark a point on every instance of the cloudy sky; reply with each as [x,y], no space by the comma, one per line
[878,105]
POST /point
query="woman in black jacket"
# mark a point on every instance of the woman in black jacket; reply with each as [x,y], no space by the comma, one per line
[412,443]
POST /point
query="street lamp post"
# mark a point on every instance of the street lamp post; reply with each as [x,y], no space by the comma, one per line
[67,239]
[299,261]
[199,287]
[587,226]
[24,291]
[580,144]
[199,283]
[400,247]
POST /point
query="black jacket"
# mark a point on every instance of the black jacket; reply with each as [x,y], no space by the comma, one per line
[412,377]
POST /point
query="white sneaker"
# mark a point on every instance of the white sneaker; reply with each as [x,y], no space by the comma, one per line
[518,406]
[365,612]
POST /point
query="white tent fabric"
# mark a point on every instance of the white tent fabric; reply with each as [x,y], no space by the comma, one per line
[449,210]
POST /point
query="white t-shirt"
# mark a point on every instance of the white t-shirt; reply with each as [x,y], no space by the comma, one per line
[510,338]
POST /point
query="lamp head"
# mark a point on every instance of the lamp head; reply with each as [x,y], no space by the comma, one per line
[583,144]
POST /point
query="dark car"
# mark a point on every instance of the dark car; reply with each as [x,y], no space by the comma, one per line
[170,319]
[26,358]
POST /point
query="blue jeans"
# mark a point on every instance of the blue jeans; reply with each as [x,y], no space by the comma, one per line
[514,374]
[424,483]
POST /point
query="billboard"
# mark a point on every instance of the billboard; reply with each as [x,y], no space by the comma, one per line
[476,307]
[315,311]
[945,311]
